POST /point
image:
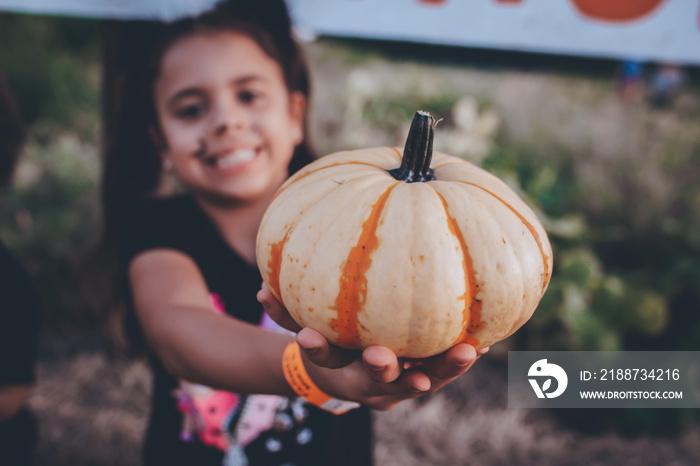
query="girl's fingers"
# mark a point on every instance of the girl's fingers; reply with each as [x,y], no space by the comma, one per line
[452,363]
[322,353]
[381,364]
[275,310]
[383,396]
[414,383]
[431,374]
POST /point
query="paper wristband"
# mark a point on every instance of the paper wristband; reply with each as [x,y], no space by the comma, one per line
[301,383]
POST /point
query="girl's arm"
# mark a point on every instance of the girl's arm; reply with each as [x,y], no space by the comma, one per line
[194,343]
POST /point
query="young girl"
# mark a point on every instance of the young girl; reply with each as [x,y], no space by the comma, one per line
[221,101]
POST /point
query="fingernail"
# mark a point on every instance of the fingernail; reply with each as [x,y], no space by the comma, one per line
[309,349]
[376,368]
[417,388]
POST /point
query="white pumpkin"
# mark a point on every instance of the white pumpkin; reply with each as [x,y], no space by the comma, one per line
[417,264]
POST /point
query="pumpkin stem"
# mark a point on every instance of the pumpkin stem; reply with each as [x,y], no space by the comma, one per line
[418,152]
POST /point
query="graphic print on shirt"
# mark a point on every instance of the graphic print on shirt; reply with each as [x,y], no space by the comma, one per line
[231,422]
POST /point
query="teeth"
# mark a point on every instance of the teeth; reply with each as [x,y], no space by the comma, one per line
[235,158]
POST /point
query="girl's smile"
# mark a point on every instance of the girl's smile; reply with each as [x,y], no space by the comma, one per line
[228,160]
[228,123]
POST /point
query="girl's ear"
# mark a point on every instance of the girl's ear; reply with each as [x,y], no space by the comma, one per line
[297,110]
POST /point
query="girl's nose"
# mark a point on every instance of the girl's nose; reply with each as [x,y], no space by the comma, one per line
[228,118]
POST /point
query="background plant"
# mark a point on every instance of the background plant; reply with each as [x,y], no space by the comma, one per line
[48,217]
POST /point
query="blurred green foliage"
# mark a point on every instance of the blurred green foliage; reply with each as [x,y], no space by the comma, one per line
[52,66]
[48,217]
[393,113]
[626,260]
[618,282]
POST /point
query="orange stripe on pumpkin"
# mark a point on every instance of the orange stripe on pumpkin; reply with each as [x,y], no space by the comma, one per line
[300,176]
[438,167]
[528,225]
[472,305]
[353,281]
[274,264]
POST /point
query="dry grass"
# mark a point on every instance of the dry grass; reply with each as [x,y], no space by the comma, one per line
[92,411]
[468,423]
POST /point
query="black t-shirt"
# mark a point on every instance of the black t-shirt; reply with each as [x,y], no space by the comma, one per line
[19,313]
[313,438]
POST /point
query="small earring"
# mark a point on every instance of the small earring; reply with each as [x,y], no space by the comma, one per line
[297,134]
[167,165]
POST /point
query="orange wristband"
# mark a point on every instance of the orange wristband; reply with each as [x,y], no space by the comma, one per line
[301,383]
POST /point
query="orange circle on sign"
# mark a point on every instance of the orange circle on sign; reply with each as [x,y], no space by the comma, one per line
[617,10]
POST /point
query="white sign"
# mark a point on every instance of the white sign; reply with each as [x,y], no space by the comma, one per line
[165,10]
[642,30]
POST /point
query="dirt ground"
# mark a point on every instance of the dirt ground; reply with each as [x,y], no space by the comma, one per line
[92,411]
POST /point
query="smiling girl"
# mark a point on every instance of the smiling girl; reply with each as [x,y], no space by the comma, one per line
[221,101]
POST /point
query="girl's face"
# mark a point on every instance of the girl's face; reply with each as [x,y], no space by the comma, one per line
[229,125]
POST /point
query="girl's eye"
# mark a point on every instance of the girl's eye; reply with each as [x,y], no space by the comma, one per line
[190,112]
[248,96]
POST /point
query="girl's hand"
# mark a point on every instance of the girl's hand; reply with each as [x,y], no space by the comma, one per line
[379,379]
